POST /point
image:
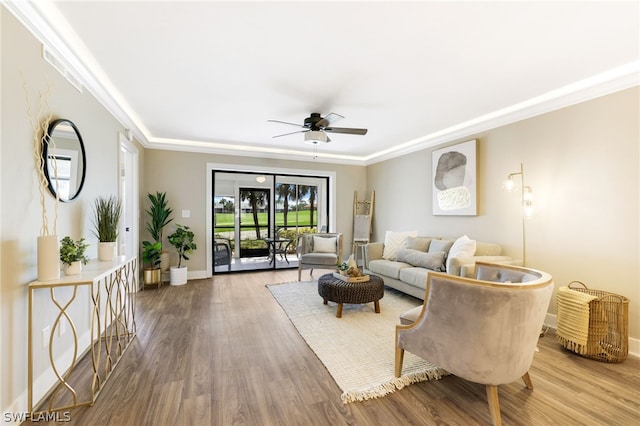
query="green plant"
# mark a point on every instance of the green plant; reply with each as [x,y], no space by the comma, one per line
[160,213]
[73,251]
[182,240]
[151,253]
[106,217]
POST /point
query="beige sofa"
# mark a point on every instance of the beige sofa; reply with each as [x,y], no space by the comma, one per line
[406,267]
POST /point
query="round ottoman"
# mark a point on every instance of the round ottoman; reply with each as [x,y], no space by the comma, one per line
[333,289]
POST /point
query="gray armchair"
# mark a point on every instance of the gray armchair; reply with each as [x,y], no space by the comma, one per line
[221,252]
[484,330]
[322,250]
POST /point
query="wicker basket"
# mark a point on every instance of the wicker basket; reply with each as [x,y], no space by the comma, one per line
[608,334]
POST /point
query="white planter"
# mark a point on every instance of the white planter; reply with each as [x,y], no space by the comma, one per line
[106,251]
[48,258]
[74,269]
[178,276]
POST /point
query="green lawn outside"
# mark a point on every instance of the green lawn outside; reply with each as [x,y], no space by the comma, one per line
[226,220]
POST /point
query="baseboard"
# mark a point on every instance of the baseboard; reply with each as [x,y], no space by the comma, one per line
[634,344]
[196,275]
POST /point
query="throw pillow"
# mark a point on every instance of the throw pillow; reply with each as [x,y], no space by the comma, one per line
[418,243]
[433,261]
[463,247]
[324,244]
[394,241]
[440,245]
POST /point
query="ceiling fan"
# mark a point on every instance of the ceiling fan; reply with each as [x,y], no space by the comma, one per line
[316,127]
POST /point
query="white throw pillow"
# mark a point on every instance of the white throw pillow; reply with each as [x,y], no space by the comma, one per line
[463,247]
[324,244]
[394,241]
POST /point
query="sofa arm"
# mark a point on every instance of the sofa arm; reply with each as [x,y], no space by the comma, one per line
[372,251]
[466,266]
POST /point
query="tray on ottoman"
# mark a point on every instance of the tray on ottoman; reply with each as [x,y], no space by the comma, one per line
[349,279]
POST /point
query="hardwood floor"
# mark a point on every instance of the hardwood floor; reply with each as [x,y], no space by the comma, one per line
[222,352]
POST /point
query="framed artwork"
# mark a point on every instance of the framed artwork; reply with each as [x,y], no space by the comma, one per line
[454,180]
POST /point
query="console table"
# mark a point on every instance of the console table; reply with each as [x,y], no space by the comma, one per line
[112,287]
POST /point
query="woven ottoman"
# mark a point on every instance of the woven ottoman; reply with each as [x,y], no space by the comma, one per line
[333,289]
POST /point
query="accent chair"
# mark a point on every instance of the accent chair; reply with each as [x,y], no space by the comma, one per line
[484,330]
[319,250]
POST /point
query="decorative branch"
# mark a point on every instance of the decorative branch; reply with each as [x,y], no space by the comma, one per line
[40,126]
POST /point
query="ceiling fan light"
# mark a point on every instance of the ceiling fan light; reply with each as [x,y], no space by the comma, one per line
[315,136]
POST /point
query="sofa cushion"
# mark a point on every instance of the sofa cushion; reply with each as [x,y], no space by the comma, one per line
[324,244]
[387,268]
[440,245]
[463,247]
[329,259]
[416,276]
[433,261]
[393,241]
[418,243]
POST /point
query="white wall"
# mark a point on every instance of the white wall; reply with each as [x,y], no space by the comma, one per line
[582,162]
[183,176]
[20,220]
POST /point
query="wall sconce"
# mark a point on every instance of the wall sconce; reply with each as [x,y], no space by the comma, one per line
[511,184]
[261,179]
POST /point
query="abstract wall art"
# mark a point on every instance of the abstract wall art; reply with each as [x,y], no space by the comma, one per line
[454,180]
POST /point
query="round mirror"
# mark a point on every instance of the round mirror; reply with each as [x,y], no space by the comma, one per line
[64,159]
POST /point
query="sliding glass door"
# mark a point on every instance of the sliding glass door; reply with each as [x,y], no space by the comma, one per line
[257,218]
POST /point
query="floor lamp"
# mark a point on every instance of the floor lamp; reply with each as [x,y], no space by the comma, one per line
[527,204]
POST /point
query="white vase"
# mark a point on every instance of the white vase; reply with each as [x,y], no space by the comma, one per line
[106,251]
[74,268]
[48,258]
[178,276]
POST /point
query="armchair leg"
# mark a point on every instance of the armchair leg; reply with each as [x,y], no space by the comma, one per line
[399,360]
[494,405]
[527,381]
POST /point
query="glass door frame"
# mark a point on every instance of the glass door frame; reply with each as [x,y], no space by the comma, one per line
[329,212]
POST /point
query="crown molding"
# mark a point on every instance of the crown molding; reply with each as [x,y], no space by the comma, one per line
[92,77]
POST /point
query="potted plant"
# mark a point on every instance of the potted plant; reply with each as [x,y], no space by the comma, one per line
[106,219]
[159,213]
[72,255]
[152,274]
[182,240]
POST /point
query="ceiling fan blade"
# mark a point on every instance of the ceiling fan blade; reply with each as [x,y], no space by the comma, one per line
[330,118]
[285,122]
[292,133]
[346,130]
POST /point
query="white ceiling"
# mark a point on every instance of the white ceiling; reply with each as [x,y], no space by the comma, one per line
[206,76]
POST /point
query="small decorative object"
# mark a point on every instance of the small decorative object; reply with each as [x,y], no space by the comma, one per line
[182,240]
[348,271]
[72,255]
[106,219]
[160,213]
[152,273]
[48,254]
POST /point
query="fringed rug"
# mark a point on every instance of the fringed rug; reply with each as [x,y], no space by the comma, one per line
[358,349]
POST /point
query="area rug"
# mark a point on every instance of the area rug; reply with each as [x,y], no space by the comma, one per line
[358,349]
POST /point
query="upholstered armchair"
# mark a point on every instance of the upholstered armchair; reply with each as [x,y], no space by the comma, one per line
[221,252]
[322,250]
[484,330]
